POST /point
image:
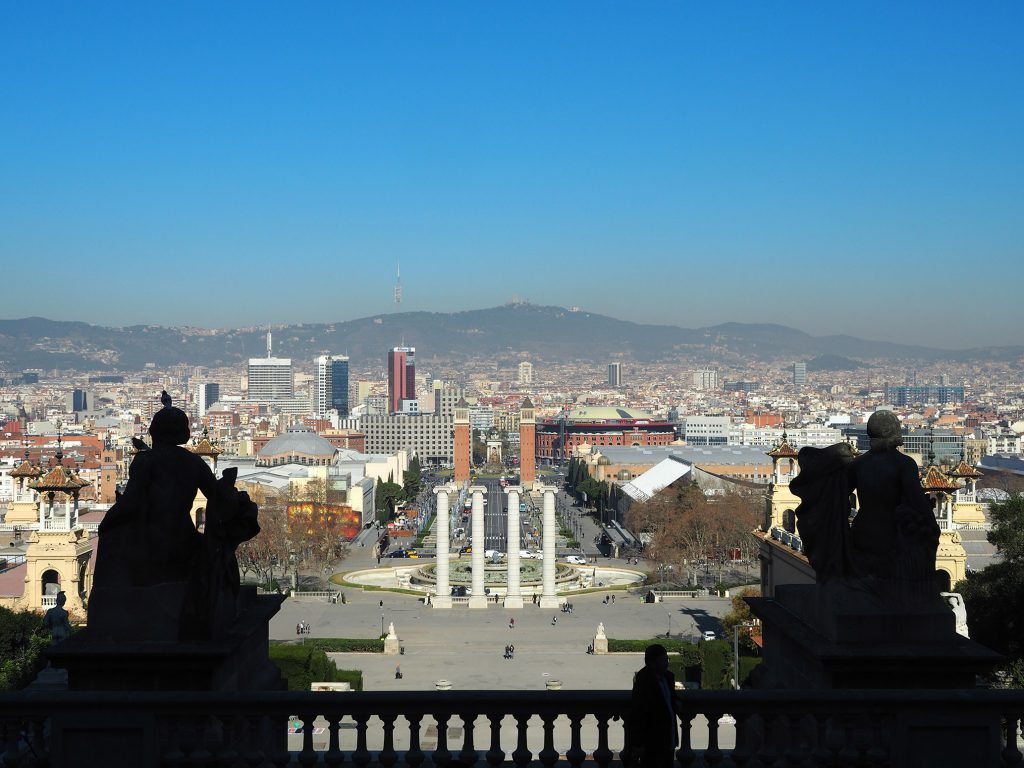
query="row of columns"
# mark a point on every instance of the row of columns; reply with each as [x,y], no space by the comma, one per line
[513,592]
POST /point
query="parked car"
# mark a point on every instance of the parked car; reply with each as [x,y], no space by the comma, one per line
[466,550]
[526,554]
[709,635]
[576,560]
[397,553]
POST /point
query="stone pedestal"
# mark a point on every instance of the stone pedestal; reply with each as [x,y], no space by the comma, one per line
[238,660]
[600,641]
[814,637]
[392,645]
[832,637]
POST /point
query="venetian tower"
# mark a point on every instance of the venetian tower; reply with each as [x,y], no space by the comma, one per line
[463,441]
[781,503]
[527,445]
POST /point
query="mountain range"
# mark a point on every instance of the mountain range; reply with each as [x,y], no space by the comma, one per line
[508,331]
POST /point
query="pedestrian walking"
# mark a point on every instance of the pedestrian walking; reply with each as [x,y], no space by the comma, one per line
[613,598]
[554,620]
[512,623]
[511,651]
[398,672]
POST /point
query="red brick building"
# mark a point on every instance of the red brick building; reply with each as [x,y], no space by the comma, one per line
[558,437]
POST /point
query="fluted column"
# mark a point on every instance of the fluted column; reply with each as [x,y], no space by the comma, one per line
[443,598]
[513,594]
[478,599]
[548,598]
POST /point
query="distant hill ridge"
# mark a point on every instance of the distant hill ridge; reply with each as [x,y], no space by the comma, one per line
[541,332]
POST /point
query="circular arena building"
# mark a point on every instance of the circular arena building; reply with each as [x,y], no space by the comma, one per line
[298,445]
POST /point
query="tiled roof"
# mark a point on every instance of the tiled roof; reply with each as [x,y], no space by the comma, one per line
[59,479]
[963,469]
[934,480]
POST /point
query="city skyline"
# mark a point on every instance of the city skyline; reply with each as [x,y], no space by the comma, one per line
[836,170]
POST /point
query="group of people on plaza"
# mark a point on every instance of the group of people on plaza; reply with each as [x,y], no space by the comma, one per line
[510,651]
[303,628]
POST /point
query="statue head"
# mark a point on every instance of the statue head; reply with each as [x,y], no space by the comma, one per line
[169,425]
[884,430]
[61,599]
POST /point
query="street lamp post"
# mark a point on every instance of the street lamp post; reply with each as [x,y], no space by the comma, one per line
[382,623]
[736,650]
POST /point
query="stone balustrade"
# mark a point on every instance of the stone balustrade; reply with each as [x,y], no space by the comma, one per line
[488,728]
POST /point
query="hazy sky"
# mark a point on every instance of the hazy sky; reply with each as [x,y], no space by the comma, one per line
[837,167]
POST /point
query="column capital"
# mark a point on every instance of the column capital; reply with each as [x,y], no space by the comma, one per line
[545,489]
[513,489]
[448,488]
[478,489]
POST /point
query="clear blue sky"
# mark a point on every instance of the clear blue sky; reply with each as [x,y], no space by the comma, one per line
[837,167]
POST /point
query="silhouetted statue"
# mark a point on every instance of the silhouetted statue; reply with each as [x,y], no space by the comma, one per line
[149,549]
[57,621]
[889,548]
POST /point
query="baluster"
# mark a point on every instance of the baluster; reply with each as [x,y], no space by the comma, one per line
[575,755]
[468,755]
[713,755]
[602,755]
[741,754]
[1011,755]
[549,755]
[522,756]
[848,754]
[252,726]
[226,752]
[414,757]
[796,745]
[388,756]
[307,756]
[495,755]
[767,754]
[441,754]
[198,755]
[878,754]
[685,754]
[278,749]
[170,743]
[333,756]
[821,753]
[361,755]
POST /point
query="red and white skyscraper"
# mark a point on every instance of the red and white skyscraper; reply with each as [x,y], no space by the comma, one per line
[401,377]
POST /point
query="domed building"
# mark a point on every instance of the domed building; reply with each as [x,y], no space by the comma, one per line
[298,445]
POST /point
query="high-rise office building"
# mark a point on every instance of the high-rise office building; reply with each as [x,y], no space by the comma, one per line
[614,374]
[525,372]
[207,393]
[271,378]
[401,377]
[79,400]
[706,378]
[330,384]
[799,374]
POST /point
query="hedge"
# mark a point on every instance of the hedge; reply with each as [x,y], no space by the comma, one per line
[346,644]
[716,664]
[301,666]
[714,657]
[747,665]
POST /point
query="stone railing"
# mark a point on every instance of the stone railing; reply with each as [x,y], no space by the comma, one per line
[668,594]
[48,601]
[489,728]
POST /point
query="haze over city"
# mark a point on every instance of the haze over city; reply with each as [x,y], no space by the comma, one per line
[839,170]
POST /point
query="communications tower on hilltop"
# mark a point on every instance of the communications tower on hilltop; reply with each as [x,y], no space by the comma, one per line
[398,285]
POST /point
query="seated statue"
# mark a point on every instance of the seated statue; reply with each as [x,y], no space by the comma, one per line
[889,547]
[57,621]
[156,576]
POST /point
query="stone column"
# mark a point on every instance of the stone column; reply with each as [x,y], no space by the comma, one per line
[478,599]
[513,594]
[443,598]
[548,598]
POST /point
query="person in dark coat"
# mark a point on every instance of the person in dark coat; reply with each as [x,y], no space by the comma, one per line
[653,726]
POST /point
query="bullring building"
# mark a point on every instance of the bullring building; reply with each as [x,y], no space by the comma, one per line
[592,425]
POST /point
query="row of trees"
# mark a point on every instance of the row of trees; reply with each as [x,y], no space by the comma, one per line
[580,482]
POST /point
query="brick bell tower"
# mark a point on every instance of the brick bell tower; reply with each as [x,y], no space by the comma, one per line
[463,441]
[527,444]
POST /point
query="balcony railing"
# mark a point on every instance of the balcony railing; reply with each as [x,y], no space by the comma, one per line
[491,728]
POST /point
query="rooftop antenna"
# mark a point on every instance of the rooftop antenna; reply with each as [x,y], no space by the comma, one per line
[398,284]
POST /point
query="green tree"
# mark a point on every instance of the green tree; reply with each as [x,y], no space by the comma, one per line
[740,615]
[387,496]
[994,597]
[22,639]
[413,479]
